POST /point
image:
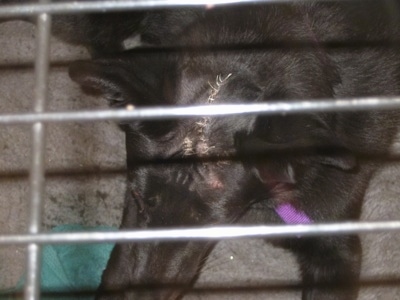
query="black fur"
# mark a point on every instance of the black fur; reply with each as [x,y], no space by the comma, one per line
[327,185]
[247,47]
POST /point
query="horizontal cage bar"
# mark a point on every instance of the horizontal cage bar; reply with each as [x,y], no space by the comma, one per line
[209,233]
[118,5]
[169,112]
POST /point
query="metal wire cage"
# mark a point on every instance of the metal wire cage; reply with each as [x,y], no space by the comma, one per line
[38,119]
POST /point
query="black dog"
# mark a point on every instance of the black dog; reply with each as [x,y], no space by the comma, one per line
[236,54]
[249,54]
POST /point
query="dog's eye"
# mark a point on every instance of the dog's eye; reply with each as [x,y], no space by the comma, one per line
[115,103]
[153,201]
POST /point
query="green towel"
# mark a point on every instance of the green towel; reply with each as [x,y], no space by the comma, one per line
[71,267]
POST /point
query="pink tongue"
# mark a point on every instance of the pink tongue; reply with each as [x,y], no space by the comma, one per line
[290,215]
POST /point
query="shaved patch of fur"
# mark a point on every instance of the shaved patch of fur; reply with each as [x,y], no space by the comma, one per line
[200,146]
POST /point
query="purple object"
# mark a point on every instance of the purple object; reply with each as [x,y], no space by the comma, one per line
[290,215]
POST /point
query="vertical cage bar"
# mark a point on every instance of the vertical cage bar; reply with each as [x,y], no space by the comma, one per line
[32,286]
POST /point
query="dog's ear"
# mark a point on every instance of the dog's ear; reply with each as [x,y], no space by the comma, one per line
[135,79]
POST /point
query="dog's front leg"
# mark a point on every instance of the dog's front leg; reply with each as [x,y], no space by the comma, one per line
[330,267]
[151,270]
[165,269]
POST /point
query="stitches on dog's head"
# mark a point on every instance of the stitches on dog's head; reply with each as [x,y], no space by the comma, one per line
[198,143]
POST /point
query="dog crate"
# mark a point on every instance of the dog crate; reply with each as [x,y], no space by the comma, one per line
[76,172]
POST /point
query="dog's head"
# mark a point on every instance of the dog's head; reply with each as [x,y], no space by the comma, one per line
[205,190]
